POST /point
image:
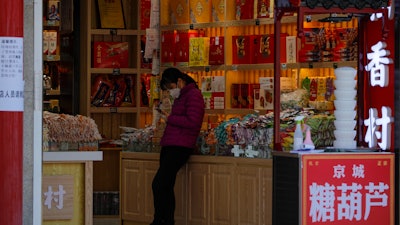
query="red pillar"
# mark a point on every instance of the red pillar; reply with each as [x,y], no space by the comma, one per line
[11,120]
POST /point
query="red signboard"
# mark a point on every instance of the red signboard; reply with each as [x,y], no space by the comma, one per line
[345,188]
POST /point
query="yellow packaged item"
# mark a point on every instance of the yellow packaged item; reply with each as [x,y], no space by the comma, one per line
[321,88]
[199,51]
[154,89]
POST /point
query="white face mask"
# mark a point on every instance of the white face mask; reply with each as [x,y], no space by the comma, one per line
[175,92]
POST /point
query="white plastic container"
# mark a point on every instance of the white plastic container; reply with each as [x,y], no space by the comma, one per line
[345,104]
[345,84]
[345,144]
[345,73]
[345,114]
[345,94]
[345,124]
[345,135]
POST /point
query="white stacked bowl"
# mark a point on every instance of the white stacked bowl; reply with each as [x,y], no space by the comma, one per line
[345,107]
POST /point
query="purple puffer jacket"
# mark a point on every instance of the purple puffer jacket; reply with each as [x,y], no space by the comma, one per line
[185,120]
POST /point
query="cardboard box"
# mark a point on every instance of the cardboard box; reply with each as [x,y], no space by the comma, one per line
[217,10]
[182,46]
[214,100]
[292,47]
[265,45]
[46,41]
[213,90]
[213,84]
[244,96]
[243,49]
[200,11]
[217,51]
[53,44]
[145,11]
[250,97]
[265,9]
[264,96]
[264,99]
[199,51]
[53,11]
[110,55]
[235,90]
[179,11]
[244,9]
[167,48]
[264,48]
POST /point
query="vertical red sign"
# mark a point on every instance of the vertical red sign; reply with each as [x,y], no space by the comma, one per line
[11,115]
[347,189]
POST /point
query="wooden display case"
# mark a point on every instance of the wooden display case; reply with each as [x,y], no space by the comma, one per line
[208,190]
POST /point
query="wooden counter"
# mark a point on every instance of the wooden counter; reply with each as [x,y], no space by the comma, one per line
[209,190]
[73,170]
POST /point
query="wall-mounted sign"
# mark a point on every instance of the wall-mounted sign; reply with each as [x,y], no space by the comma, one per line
[379,77]
[347,189]
[11,74]
[58,197]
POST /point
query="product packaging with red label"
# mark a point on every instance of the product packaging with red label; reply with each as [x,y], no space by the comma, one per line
[265,48]
[214,100]
[217,51]
[145,6]
[244,9]
[167,48]
[110,55]
[182,46]
[265,9]
[235,89]
[243,49]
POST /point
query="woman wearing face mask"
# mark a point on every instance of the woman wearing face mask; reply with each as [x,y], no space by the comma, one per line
[178,141]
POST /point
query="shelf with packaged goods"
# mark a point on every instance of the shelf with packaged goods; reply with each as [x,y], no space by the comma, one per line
[267,66]
[111,116]
[248,22]
[250,73]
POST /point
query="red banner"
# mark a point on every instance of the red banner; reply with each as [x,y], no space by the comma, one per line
[347,189]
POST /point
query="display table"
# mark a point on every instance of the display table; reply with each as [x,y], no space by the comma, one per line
[352,187]
[208,190]
[68,187]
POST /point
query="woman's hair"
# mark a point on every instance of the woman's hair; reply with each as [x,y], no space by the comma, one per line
[171,75]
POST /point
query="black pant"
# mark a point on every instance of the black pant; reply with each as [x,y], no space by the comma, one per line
[172,158]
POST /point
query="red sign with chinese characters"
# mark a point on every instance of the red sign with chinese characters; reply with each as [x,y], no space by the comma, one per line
[345,188]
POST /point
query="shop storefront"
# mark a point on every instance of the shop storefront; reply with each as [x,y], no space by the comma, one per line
[260,68]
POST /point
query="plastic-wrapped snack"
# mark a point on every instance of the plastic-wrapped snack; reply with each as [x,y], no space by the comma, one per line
[295,99]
